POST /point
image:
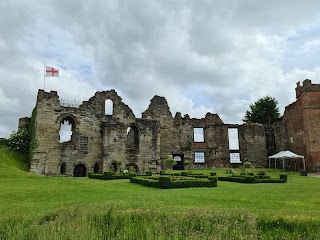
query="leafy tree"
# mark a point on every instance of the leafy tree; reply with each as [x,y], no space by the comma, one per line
[170,162]
[20,140]
[264,111]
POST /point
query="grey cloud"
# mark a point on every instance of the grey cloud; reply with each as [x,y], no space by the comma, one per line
[201,55]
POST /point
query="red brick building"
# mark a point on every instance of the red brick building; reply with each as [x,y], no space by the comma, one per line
[302,120]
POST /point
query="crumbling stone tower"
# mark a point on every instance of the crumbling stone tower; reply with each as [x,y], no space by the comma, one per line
[302,119]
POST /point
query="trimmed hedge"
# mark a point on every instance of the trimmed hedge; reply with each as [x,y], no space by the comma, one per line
[109,175]
[166,182]
[253,179]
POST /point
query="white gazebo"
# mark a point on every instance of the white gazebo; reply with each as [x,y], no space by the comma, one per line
[284,155]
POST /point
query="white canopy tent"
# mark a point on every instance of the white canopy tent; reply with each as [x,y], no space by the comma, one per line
[286,155]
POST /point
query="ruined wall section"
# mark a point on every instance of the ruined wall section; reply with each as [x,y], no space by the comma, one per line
[185,135]
[252,144]
[114,142]
[215,145]
[45,132]
[84,146]
[293,117]
[218,145]
[281,136]
[149,145]
[113,127]
[169,136]
[96,105]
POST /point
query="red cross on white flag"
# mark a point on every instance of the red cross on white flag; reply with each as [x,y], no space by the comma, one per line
[52,72]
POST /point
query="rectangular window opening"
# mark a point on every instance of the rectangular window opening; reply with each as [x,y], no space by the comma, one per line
[233,139]
[234,145]
[235,158]
[198,135]
[199,157]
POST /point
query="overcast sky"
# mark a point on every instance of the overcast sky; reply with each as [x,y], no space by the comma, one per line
[203,56]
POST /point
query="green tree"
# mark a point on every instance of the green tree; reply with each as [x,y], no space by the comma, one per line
[264,111]
[20,140]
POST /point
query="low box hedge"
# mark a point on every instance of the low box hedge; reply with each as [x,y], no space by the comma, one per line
[108,175]
[254,179]
[95,176]
[166,182]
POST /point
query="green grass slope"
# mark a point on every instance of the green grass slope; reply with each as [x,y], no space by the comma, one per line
[12,163]
[44,207]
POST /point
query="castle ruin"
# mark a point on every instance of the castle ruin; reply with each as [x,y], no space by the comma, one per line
[100,140]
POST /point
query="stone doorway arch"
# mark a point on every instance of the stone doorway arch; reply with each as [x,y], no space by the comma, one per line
[80,170]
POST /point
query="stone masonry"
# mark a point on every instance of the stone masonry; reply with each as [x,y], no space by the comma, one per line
[99,142]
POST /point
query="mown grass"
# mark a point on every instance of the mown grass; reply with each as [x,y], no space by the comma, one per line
[41,207]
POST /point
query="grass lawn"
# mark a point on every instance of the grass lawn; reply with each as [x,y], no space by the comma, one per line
[26,199]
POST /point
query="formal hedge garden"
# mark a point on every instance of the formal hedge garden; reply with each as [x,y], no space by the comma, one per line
[166,182]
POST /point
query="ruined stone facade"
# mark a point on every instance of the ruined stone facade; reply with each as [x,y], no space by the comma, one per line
[101,141]
[302,121]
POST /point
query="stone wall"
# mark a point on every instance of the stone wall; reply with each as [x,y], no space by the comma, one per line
[252,141]
[97,139]
[100,140]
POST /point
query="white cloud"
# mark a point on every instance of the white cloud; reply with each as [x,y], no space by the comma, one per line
[216,56]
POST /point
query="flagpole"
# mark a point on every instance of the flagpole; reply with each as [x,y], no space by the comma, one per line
[44,76]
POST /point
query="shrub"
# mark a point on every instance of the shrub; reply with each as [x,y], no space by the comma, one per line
[184,174]
[20,140]
[170,162]
[148,173]
[213,174]
[187,162]
[162,172]
[261,173]
[248,164]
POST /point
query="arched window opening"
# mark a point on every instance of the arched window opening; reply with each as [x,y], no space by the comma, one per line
[108,107]
[133,138]
[63,168]
[97,168]
[67,127]
[80,170]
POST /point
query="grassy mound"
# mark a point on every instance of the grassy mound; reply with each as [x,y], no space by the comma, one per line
[12,163]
